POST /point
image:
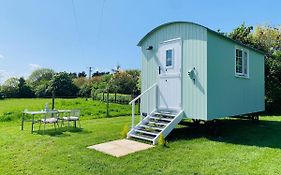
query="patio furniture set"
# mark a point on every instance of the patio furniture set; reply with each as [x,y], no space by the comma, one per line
[51,117]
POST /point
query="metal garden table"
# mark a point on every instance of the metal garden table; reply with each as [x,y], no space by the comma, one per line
[32,113]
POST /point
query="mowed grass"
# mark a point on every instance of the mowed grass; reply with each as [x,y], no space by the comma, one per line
[11,109]
[240,147]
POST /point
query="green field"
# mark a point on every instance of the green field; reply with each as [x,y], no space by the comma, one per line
[241,147]
[11,109]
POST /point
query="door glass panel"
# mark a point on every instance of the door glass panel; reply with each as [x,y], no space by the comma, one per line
[169,58]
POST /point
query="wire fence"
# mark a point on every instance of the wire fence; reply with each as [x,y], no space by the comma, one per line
[114,98]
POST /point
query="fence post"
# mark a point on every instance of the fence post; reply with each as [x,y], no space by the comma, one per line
[53,99]
[115,97]
[107,104]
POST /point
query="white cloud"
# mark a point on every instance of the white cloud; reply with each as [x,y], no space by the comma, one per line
[34,66]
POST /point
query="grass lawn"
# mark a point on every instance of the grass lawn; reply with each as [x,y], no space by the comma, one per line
[241,147]
[11,109]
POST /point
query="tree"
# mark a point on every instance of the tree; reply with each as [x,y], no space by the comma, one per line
[73,75]
[122,82]
[135,74]
[100,84]
[267,39]
[82,74]
[62,85]
[10,87]
[85,90]
[24,91]
[80,81]
[242,34]
[39,81]
[97,73]
[2,96]
[43,90]
[40,75]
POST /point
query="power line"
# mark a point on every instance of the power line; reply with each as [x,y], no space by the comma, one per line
[77,28]
[75,17]
[101,20]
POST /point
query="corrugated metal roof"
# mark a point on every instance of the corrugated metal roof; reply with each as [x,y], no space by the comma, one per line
[187,22]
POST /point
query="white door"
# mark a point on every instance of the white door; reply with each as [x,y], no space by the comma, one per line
[169,75]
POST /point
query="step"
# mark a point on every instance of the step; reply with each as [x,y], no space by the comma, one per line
[158,123]
[152,127]
[161,118]
[164,114]
[142,137]
[145,132]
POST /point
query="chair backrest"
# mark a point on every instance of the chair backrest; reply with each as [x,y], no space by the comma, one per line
[52,114]
[75,113]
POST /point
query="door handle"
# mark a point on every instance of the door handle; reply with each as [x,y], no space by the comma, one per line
[159,70]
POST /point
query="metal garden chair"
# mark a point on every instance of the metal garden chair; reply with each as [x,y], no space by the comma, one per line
[50,117]
[73,117]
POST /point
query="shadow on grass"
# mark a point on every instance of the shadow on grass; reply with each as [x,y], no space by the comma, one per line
[234,131]
[62,132]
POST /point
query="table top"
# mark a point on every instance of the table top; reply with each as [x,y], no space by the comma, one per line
[45,112]
[62,111]
[34,112]
[39,112]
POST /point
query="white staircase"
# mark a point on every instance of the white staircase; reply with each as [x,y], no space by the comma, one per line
[155,124]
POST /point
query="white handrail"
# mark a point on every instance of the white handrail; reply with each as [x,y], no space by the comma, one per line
[133,103]
[139,96]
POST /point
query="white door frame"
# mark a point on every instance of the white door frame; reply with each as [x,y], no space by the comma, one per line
[172,74]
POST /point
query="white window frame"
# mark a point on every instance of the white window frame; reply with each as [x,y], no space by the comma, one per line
[243,74]
[173,57]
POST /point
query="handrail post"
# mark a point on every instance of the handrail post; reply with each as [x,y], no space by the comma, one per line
[133,114]
[133,102]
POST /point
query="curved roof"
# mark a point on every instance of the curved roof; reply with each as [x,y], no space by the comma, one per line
[187,22]
[163,25]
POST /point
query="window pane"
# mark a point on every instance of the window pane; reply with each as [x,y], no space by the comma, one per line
[240,53]
[169,57]
[245,63]
[239,68]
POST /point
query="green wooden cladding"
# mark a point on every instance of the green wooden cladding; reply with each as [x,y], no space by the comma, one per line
[229,95]
[217,92]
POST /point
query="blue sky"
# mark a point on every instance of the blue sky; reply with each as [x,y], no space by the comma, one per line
[45,33]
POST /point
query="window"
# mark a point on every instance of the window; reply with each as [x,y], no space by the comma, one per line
[169,58]
[241,63]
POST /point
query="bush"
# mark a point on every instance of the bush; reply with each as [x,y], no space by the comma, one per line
[1,96]
[124,132]
[162,141]
[9,116]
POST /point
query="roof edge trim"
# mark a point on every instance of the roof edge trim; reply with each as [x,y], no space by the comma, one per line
[187,22]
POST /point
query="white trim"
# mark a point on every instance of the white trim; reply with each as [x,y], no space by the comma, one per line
[242,75]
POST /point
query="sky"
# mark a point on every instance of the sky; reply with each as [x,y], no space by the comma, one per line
[71,35]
